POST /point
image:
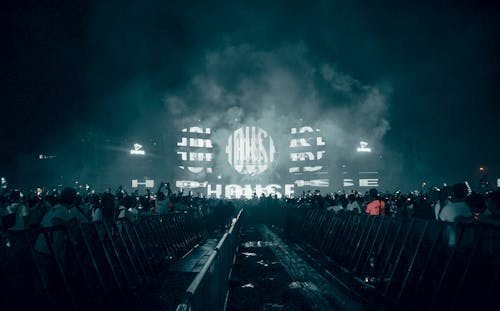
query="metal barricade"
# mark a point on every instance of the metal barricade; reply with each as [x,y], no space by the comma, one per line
[209,289]
[83,265]
[415,263]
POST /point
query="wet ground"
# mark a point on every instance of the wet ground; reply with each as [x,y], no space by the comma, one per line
[259,281]
[269,274]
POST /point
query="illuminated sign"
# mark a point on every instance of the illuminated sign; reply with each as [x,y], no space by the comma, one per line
[190,184]
[313,183]
[362,182]
[230,165]
[195,150]
[46,157]
[250,150]
[234,191]
[148,183]
[309,161]
[137,150]
[363,147]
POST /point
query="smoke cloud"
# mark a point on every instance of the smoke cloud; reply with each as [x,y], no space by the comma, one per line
[241,85]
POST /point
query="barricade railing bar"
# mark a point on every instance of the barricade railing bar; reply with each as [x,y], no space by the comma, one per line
[414,263]
[209,288]
[84,264]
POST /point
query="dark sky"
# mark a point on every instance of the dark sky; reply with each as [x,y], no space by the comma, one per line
[109,67]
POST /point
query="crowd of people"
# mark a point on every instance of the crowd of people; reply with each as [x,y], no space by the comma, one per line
[41,208]
[448,204]
[41,232]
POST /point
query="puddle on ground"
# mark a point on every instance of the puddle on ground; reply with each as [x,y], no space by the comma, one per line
[294,285]
[258,244]
[246,254]
[272,306]
[249,285]
[304,285]
[262,263]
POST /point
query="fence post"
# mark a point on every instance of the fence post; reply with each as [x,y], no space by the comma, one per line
[412,262]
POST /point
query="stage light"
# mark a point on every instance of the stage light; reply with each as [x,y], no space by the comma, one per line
[46,157]
[363,147]
[148,183]
[137,150]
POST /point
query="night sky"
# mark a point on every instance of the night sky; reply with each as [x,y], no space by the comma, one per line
[418,79]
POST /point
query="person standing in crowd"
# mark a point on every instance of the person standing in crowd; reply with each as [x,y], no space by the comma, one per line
[442,201]
[37,208]
[476,203]
[423,208]
[161,201]
[457,208]
[334,204]
[95,209]
[376,206]
[127,208]
[15,271]
[17,213]
[353,205]
[61,214]
[108,206]
[318,201]
[492,213]
[78,212]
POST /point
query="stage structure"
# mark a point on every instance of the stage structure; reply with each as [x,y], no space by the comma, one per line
[251,161]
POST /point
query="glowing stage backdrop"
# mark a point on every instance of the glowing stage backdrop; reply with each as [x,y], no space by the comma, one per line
[250,160]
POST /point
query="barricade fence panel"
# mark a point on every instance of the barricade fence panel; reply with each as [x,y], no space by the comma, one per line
[414,263]
[209,289]
[80,265]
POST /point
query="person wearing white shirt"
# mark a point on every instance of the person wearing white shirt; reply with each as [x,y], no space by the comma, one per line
[457,207]
[59,214]
[455,210]
[353,205]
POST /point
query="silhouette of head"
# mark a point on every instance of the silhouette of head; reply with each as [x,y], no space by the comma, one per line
[460,191]
[15,196]
[161,196]
[68,196]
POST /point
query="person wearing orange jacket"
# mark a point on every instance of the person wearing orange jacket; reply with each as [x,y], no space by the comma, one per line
[376,206]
